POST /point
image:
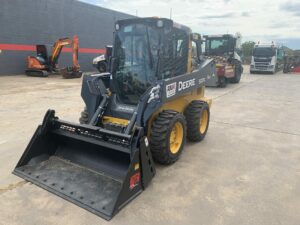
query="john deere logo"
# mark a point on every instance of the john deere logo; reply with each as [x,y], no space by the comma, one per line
[171,89]
[186,84]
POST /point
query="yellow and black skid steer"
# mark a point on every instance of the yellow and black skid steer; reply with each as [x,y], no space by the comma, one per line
[141,111]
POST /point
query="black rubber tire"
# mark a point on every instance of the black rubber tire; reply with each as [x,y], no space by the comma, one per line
[160,136]
[238,70]
[84,117]
[193,114]
[222,82]
[102,67]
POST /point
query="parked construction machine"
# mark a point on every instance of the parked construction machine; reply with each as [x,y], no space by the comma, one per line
[152,99]
[101,62]
[42,65]
[225,50]
[292,63]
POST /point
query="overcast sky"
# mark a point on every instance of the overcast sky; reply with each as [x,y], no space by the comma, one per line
[277,20]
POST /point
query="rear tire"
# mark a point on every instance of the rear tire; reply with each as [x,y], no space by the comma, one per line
[222,82]
[84,117]
[167,138]
[197,116]
[238,70]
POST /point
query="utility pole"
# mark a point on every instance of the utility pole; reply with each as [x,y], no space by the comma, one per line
[170,13]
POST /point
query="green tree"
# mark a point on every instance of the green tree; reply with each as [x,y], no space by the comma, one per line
[247,48]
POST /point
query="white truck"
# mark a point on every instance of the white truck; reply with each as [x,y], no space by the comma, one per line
[266,57]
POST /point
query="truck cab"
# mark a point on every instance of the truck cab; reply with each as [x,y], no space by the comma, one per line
[266,58]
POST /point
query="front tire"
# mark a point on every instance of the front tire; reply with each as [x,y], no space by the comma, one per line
[167,138]
[102,67]
[222,81]
[238,70]
[197,116]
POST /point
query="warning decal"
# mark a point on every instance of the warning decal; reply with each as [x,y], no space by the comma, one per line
[134,180]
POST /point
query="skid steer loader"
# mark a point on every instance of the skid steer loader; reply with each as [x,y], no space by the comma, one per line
[152,99]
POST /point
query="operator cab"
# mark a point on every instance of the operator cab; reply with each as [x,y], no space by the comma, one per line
[220,45]
[145,51]
[42,54]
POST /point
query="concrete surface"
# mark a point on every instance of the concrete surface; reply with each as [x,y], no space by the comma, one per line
[246,171]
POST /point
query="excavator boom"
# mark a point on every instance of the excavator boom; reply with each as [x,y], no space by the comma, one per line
[75,45]
[73,71]
[57,48]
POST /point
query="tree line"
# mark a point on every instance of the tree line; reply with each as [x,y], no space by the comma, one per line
[247,48]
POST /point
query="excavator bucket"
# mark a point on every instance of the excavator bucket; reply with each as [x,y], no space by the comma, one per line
[70,72]
[96,169]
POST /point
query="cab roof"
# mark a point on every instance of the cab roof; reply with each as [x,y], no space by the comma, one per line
[153,20]
[219,36]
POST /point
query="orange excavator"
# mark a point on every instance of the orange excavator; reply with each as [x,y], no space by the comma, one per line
[41,65]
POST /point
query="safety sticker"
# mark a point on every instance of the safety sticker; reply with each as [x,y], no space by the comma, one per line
[134,180]
[146,142]
[136,166]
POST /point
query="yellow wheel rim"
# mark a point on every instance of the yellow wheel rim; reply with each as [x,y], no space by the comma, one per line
[176,137]
[203,121]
